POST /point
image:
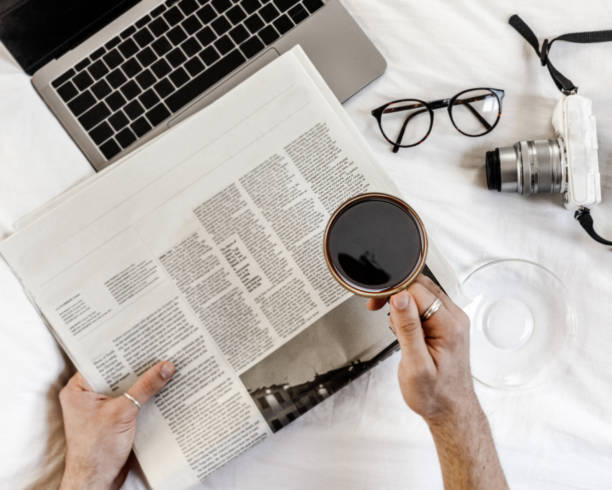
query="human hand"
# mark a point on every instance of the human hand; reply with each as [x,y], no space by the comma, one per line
[434,371]
[100,430]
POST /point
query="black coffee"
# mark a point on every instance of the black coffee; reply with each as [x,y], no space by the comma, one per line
[375,244]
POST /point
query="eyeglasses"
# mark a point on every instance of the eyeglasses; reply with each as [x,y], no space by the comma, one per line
[408,122]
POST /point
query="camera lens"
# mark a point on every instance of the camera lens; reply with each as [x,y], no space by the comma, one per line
[529,167]
[493,171]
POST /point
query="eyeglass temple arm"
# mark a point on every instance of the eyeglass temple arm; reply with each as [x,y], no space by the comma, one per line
[437,104]
[396,146]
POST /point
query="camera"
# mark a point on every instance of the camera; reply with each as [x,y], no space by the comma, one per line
[566,164]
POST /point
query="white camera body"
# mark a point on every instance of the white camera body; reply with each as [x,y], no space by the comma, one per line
[575,125]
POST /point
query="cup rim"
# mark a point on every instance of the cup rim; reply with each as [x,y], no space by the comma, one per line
[407,281]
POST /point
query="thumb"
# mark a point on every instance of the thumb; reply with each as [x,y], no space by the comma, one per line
[407,325]
[151,382]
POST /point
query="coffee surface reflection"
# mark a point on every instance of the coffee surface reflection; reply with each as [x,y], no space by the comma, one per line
[375,243]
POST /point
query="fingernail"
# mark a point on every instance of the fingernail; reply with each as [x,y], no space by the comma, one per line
[167,370]
[401,300]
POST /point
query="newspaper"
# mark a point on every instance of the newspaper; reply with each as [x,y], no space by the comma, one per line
[205,248]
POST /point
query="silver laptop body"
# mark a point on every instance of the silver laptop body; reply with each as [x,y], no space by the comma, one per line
[341,51]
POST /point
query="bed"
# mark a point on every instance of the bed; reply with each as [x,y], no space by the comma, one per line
[556,437]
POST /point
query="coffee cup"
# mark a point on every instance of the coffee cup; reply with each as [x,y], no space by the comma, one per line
[375,245]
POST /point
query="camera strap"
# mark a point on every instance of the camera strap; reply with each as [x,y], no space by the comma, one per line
[563,83]
[583,216]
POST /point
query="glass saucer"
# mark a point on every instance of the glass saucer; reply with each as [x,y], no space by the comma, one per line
[522,323]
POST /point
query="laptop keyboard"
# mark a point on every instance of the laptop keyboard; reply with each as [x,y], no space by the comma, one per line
[166,59]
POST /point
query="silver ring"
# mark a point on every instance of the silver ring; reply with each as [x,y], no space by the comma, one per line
[432,310]
[133,400]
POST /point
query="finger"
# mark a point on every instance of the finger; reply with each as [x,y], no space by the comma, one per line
[407,327]
[437,292]
[78,383]
[377,303]
[151,382]
[440,322]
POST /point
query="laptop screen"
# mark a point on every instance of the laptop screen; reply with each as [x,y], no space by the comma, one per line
[37,31]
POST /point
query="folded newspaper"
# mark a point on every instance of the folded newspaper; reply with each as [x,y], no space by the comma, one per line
[205,248]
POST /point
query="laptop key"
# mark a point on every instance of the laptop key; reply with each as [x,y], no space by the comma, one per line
[67,91]
[283,24]
[221,5]
[179,77]
[173,16]
[63,78]
[176,35]
[176,57]
[133,109]
[161,68]
[205,80]
[269,12]
[161,46]
[313,5]
[101,89]
[192,24]
[206,36]
[141,126]
[254,23]
[157,114]
[209,55]
[101,133]
[110,149]
[118,121]
[98,70]
[224,45]
[239,34]
[125,138]
[128,48]
[112,43]
[221,25]
[194,66]
[146,56]
[94,116]
[191,47]
[235,14]
[268,35]
[148,99]
[83,80]
[140,23]
[250,5]
[164,88]
[113,59]
[81,103]
[82,64]
[206,14]
[130,90]
[298,14]
[131,67]
[128,32]
[251,47]
[158,10]
[143,37]
[116,78]
[97,53]
[115,101]
[188,6]
[146,79]
[158,26]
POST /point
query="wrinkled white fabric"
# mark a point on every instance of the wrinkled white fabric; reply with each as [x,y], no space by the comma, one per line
[558,436]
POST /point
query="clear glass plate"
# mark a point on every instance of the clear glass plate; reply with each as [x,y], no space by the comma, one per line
[522,323]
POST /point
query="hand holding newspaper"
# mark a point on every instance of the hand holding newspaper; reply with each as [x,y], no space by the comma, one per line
[205,248]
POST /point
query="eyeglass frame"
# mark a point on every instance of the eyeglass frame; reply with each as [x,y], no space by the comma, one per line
[439,104]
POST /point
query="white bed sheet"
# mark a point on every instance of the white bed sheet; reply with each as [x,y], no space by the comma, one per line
[556,437]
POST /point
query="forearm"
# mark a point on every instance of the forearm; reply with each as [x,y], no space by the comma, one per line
[466,450]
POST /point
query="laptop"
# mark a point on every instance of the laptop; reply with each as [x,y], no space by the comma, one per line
[117,74]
